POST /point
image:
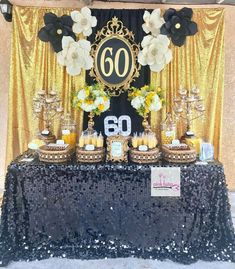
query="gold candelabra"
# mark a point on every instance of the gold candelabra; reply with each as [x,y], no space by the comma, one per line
[46,106]
[189,106]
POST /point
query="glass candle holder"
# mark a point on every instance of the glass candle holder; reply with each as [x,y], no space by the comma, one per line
[68,130]
[168,130]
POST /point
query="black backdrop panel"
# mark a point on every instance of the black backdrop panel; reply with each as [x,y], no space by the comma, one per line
[132,19]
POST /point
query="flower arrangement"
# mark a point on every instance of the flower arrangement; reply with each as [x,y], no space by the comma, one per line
[146,99]
[92,99]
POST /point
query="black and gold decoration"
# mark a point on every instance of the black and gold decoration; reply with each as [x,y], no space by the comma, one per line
[178,25]
[119,105]
[115,55]
[54,30]
[117,148]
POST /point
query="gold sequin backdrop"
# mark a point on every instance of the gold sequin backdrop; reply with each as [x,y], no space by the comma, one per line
[201,62]
[34,66]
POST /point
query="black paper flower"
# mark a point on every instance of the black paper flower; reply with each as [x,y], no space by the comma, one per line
[178,25]
[55,28]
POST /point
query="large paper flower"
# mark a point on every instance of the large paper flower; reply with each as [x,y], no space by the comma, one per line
[179,25]
[153,22]
[75,55]
[55,28]
[83,21]
[155,52]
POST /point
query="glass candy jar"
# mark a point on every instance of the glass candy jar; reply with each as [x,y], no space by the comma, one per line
[168,130]
[68,130]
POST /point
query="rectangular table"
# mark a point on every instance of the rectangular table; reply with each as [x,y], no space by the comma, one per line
[106,210]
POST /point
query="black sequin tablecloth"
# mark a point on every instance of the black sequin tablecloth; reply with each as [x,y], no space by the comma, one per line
[105,210]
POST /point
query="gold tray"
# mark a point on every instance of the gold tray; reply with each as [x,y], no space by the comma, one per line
[94,156]
[55,156]
[179,156]
[150,156]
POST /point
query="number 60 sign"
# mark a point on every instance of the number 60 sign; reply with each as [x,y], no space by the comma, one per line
[114,125]
[115,54]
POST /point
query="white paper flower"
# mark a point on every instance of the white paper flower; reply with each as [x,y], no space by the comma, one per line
[155,52]
[81,95]
[153,22]
[137,102]
[83,21]
[156,104]
[75,55]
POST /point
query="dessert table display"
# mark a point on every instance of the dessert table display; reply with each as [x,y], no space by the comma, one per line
[112,188]
[92,211]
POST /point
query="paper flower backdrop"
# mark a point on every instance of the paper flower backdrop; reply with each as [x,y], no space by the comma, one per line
[61,33]
[155,52]
[178,25]
[55,28]
[153,22]
[155,47]
[83,21]
[75,55]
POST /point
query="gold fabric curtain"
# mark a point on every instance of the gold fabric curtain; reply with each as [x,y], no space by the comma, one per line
[34,67]
[201,62]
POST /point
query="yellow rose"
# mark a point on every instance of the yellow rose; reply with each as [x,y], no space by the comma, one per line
[146,110]
[101,107]
[89,102]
